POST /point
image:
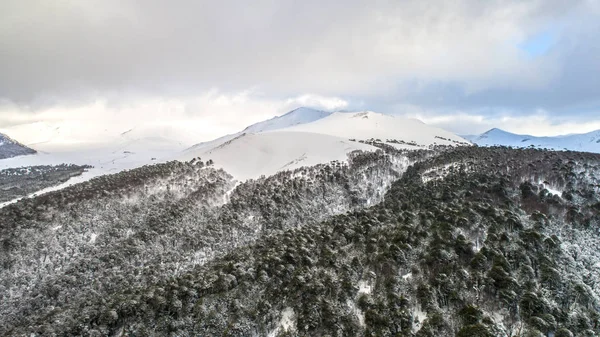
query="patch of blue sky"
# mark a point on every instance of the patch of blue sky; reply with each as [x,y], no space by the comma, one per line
[540,44]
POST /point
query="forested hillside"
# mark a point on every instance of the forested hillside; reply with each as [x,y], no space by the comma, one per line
[467,242]
[140,226]
[21,181]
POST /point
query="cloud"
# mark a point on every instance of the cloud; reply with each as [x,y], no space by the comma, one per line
[331,47]
[465,56]
[206,116]
[537,123]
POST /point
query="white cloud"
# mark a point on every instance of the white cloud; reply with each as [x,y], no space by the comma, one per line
[199,118]
[115,64]
[285,47]
[538,123]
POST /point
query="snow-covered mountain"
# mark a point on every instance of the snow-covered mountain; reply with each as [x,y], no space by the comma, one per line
[411,133]
[251,155]
[108,149]
[295,117]
[586,142]
[10,148]
[307,137]
[301,137]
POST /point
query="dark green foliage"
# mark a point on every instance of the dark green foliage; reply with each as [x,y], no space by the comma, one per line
[474,330]
[473,252]
[22,181]
[470,315]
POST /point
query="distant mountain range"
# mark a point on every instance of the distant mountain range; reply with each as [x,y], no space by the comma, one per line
[586,142]
[11,148]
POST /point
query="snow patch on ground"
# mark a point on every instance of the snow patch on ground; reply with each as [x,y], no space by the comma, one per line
[287,323]
[441,172]
[419,317]
[357,312]
[364,287]
[227,195]
[552,189]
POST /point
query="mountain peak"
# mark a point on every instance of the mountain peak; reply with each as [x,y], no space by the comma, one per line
[302,109]
[11,148]
[297,116]
[494,130]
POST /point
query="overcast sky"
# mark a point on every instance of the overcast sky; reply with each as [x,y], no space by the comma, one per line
[528,66]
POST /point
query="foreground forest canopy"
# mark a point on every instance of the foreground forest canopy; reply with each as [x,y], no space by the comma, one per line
[463,241]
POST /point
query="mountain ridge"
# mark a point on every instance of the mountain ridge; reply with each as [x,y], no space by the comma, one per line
[586,142]
[306,136]
[10,148]
[290,118]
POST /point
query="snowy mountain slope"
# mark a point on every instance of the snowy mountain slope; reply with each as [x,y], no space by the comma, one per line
[307,137]
[104,161]
[112,149]
[295,117]
[74,135]
[11,148]
[108,151]
[59,135]
[107,147]
[368,124]
[298,138]
[176,133]
[587,142]
[251,155]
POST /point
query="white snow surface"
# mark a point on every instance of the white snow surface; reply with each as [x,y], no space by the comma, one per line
[419,316]
[364,287]
[252,155]
[108,152]
[551,189]
[357,312]
[294,117]
[112,158]
[287,322]
[306,137]
[93,238]
[587,142]
[70,135]
[302,137]
[368,124]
